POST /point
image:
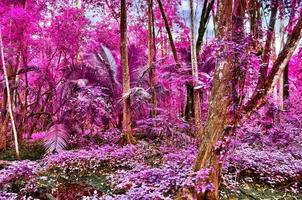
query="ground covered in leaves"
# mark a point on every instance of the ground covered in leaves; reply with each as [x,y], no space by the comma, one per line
[264,162]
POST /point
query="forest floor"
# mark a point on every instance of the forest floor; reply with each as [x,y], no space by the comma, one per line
[265,163]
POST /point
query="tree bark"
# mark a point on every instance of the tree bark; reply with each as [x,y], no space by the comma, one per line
[256,24]
[189,108]
[4,115]
[127,130]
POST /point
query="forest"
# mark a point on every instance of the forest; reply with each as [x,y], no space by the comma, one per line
[151,99]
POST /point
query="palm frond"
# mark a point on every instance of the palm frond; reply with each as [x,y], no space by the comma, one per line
[106,56]
[56,139]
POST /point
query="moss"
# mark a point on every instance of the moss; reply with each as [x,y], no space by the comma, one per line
[28,151]
[258,192]
[99,183]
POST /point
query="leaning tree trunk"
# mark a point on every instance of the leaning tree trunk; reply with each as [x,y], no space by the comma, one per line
[127,130]
[11,73]
[164,16]
[9,103]
[204,19]
[196,95]
[258,97]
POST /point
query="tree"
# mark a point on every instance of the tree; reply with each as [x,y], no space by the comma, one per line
[9,99]
[151,57]
[218,122]
[127,130]
[224,115]
[203,22]
[196,94]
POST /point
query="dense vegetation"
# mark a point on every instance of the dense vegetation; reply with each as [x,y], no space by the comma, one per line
[151,99]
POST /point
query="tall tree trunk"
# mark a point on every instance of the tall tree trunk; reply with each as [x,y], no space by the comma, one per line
[281,80]
[23,110]
[205,15]
[196,95]
[9,99]
[127,130]
[219,121]
[222,109]
[151,58]
[24,107]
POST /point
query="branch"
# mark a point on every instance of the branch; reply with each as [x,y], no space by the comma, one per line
[204,19]
[163,14]
[279,65]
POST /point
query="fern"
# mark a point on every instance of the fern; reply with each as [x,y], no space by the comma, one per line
[56,139]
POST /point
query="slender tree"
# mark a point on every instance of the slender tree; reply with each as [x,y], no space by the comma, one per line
[9,98]
[127,130]
[203,22]
[196,94]
[240,63]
